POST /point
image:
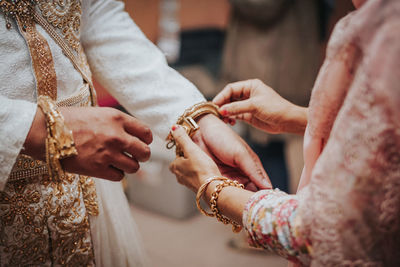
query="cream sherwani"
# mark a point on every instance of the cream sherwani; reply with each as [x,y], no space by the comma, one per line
[132,69]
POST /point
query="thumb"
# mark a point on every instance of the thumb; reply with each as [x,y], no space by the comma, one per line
[236,108]
[183,140]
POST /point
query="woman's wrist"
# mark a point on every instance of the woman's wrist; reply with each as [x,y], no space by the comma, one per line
[231,202]
[210,189]
[297,119]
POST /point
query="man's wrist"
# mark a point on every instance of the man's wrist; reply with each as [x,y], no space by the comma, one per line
[205,118]
[189,121]
[34,145]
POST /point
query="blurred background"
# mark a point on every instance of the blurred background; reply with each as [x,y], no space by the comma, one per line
[212,43]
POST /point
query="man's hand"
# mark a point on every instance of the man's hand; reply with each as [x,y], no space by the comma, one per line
[233,156]
[109,142]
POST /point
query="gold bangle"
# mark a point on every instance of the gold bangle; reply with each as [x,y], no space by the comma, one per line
[188,121]
[236,228]
[201,191]
[59,142]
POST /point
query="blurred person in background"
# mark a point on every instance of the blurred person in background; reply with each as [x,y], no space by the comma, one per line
[346,212]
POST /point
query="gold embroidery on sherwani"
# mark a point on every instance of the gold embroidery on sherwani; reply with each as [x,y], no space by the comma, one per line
[66,16]
[43,222]
[68,222]
[20,8]
[77,57]
[42,59]
[46,221]
[89,195]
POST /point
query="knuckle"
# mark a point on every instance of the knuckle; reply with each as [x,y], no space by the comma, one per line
[107,157]
[114,141]
[252,105]
[100,150]
[116,115]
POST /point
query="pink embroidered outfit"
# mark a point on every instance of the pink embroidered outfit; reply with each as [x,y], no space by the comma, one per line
[346,212]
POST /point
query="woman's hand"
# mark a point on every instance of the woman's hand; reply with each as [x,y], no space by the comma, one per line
[195,166]
[259,105]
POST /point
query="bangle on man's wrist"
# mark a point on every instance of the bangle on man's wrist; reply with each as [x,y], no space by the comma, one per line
[59,141]
[188,121]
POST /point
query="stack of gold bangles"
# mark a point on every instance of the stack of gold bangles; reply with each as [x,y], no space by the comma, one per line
[236,228]
[188,121]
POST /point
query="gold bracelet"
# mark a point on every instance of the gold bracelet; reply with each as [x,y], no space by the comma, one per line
[236,228]
[188,121]
[203,188]
[59,142]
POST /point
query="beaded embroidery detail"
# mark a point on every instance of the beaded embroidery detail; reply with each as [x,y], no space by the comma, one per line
[64,15]
[22,9]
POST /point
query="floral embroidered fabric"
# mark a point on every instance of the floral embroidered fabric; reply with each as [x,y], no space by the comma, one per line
[269,219]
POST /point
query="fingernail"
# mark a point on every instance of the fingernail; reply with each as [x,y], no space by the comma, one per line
[174,127]
[224,112]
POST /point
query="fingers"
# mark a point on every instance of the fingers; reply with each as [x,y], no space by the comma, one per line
[237,108]
[136,128]
[113,174]
[247,117]
[176,165]
[125,163]
[183,140]
[251,165]
[179,167]
[234,91]
[229,120]
[251,187]
[137,149]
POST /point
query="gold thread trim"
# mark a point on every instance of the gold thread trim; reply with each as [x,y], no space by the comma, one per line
[42,60]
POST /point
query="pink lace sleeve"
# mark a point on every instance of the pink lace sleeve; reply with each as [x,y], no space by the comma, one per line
[270,221]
